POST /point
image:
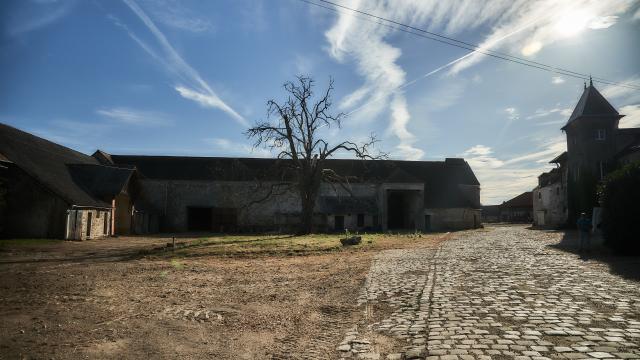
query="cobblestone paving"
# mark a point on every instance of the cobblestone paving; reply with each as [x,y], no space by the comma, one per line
[498,294]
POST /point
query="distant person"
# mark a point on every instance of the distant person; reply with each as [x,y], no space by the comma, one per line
[584,227]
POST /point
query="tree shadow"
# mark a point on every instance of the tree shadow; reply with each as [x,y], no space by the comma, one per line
[627,267]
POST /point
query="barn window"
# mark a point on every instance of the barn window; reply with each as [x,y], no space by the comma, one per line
[601,134]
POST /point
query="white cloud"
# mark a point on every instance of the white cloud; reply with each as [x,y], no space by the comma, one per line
[545,21]
[502,179]
[557,80]
[210,100]
[564,112]
[227,147]
[135,117]
[193,84]
[603,22]
[512,113]
[376,61]
[632,116]
[621,92]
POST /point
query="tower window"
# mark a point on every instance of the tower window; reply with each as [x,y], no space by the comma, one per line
[601,134]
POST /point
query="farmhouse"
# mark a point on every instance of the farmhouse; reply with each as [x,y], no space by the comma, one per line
[53,191]
[596,145]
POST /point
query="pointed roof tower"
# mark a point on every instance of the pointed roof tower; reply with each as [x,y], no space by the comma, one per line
[591,104]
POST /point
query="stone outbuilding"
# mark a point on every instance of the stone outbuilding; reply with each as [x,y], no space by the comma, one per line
[50,191]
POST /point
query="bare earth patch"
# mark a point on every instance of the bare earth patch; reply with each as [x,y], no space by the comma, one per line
[222,297]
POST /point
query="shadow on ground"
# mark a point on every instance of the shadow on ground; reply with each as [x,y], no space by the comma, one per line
[626,266]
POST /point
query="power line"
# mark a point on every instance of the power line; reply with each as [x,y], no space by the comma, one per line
[474,48]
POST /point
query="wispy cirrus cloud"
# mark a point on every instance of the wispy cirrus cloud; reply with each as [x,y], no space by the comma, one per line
[36,15]
[523,27]
[539,113]
[135,117]
[174,14]
[191,84]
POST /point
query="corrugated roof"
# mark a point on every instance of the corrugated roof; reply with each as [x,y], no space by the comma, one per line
[591,103]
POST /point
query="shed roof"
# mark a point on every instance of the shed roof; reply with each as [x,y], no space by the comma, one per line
[55,166]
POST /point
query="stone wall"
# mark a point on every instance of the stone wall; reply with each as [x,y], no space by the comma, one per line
[550,206]
[86,224]
[454,218]
[171,199]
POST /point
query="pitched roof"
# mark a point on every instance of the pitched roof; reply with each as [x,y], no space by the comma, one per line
[523,200]
[591,103]
[103,182]
[559,159]
[442,178]
[54,166]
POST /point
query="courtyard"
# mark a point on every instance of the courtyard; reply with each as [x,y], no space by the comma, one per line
[494,293]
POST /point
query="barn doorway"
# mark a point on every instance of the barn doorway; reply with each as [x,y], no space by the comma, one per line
[427,223]
[339,223]
[199,218]
[396,210]
[224,220]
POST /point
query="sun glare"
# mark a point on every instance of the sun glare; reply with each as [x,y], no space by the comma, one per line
[572,23]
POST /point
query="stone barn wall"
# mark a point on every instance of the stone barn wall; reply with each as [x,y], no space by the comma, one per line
[171,199]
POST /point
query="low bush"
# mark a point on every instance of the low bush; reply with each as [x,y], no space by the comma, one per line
[620,198]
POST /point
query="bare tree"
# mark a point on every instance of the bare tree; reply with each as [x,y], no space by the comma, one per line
[293,129]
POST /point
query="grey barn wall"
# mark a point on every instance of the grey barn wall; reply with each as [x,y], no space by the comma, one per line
[169,199]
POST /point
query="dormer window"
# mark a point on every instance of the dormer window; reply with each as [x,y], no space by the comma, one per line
[601,134]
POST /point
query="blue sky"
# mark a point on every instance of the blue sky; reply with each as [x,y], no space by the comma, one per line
[188,77]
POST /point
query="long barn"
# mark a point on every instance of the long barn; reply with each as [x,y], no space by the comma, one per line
[54,191]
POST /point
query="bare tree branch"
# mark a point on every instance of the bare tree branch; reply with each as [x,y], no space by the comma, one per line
[293,129]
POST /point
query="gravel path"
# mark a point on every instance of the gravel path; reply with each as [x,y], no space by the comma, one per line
[501,293]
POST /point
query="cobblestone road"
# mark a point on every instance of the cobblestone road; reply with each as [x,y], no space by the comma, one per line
[502,293]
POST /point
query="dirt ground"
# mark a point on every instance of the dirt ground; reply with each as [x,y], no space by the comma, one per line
[234,299]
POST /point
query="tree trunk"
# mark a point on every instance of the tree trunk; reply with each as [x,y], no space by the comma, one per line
[308,203]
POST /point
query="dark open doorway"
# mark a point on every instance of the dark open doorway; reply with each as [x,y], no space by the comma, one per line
[225,220]
[396,210]
[339,223]
[199,218]
[427,223]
